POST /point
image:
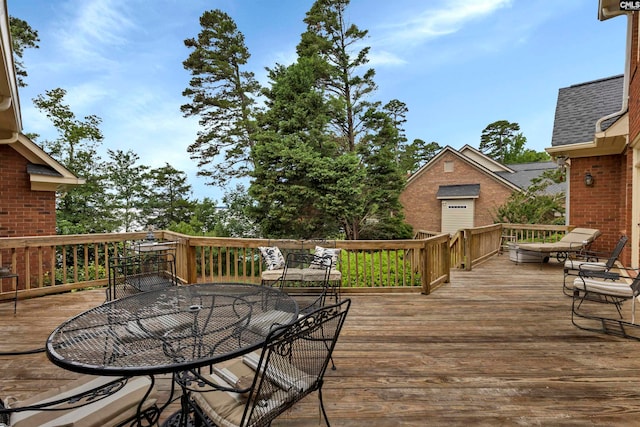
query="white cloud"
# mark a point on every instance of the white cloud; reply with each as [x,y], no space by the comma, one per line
[382,57]
[447,19]
[93,31]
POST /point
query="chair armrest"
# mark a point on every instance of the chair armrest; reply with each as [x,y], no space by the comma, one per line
[595,274]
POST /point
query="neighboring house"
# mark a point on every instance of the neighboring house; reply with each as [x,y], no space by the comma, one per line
[463,188]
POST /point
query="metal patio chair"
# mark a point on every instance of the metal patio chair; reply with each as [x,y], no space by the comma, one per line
[597,304]
[253,390]
[90,401]
[589,263]
[141,273]
[308,279]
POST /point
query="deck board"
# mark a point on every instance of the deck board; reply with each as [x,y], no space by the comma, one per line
[494,347]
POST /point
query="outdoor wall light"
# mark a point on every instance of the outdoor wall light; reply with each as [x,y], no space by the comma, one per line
[588,179]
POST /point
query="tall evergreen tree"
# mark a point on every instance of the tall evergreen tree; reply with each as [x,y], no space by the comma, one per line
[127,188]
[222,95]
[168,199]
[384,180]
[339,58]
[337,43]
[502,141]
[292,148]
[22,37]
[498,139]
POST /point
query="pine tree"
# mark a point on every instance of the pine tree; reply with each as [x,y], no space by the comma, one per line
[222,96]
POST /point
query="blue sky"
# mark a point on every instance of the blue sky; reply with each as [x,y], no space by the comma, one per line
[459,65]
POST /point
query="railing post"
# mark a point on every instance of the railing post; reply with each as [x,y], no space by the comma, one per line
[445,258]
[468,236]
[192,271]
[426,272]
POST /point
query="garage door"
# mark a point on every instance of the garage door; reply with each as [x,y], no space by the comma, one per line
[457,214]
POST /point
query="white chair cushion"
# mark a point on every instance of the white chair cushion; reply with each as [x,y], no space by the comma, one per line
[263,323]
[319,257]
[573,264]
[272,275]
[614,289]
[225,408]
[109,411]
[272,257]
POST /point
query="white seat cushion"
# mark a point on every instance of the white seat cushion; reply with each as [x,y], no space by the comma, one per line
[272,275]
[225,408]
[614,289]
[109,411]
[263,323]
[573,264]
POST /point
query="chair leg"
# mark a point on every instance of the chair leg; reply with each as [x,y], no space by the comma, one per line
[324,413]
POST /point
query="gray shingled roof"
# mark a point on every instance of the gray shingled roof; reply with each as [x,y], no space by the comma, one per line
[42,170]
[525,172]
[457,191]
[580,106]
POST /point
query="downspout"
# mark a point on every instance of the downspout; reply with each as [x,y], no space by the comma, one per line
[627,61]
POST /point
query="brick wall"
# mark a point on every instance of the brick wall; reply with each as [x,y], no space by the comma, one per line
[423,210]
[605,204]
[23,212]
[634,84]
[634,133]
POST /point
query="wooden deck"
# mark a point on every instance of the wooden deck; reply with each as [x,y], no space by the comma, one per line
[494,347]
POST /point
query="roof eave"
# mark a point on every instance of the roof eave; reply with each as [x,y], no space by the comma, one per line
[51,183]
[10,119]
[606,143]
[608,9]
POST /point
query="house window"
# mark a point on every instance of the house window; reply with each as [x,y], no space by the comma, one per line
[448,166]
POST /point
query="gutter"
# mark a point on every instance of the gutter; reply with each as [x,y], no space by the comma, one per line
[605,14]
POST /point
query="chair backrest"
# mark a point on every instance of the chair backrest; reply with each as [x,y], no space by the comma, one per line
[293,362]
[616,252]
[308,277]
[141,273]
[580,235]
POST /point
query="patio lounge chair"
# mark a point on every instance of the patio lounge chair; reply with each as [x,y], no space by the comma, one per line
[593,299]
[574,241]
[591,263]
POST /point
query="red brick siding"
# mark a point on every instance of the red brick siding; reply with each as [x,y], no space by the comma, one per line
[634,84]
[23,212]
[634,134]
[605,204]
[423,210]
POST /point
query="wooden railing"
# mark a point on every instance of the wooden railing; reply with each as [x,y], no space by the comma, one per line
[533,232]
[481,243]
[47,264]
[364,263]
[53,264]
